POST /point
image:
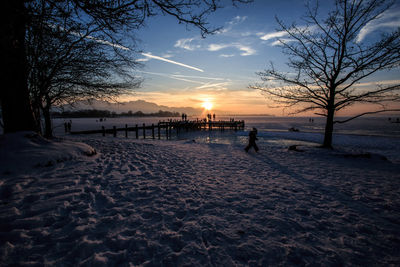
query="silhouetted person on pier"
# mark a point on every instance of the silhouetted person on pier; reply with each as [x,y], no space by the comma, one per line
[252,140]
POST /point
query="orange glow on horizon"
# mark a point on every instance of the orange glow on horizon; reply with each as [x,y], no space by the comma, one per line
[242,102]
[207,105]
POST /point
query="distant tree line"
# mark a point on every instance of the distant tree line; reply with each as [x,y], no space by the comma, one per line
[95,113]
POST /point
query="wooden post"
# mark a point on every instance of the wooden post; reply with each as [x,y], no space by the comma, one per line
[168,125]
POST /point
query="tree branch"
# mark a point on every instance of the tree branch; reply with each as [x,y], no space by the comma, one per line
[366,113]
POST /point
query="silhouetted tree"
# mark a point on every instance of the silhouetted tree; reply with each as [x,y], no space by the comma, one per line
[66,66]
[14,95]
[327,59]
[113,19]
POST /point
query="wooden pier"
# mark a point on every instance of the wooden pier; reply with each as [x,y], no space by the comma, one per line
[166,128]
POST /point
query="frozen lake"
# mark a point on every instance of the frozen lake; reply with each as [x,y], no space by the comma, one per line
[372,134]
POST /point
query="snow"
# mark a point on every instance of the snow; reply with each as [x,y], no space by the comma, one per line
[195,202]
[23,150]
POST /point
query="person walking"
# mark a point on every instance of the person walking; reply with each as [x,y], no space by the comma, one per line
[252,140]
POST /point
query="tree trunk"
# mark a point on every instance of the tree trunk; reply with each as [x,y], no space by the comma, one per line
[37,115]
[14,95]
[48,130]
[329,128]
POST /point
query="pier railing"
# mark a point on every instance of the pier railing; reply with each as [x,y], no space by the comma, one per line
[167,127]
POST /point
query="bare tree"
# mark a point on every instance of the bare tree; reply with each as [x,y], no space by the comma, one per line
[327,60]
[68,71]
[113,19]
[67,65]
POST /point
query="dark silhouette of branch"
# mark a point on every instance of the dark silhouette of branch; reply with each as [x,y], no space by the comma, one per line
[328,59]
[366,113]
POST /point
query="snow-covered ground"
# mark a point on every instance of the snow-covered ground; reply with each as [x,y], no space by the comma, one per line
[195,203]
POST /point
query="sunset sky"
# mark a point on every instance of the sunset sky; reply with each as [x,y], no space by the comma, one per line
[183,70]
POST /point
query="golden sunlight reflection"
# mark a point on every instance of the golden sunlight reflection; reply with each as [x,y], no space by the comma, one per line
[207,105]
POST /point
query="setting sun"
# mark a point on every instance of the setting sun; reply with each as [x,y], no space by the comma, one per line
[207,105]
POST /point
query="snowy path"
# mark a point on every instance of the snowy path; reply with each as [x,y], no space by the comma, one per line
[185,204]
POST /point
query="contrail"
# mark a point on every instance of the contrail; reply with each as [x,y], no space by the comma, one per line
[171,61]
[126,48]
[172,77]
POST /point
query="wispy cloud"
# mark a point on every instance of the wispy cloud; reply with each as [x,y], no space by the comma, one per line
[217,47]
[197,77]
[214,86]
[281,40]
[273,35]
[230,24]
[185,80]
[283,36]
[246,50]
[387,20]
[175,77]
[149,55]
[188,44]
[378,83]
[237,20]
[193,79]
[226,55]
[195,43]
